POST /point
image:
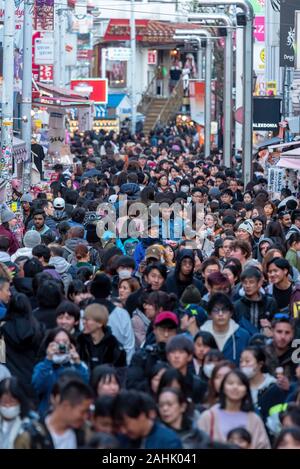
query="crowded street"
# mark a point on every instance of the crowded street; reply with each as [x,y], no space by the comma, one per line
[149,227]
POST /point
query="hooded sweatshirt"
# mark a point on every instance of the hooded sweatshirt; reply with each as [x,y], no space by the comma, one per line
[258,255]
[232,342]
[173,282]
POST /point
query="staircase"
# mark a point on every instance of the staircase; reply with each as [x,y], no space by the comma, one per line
[158,109]
[154,110]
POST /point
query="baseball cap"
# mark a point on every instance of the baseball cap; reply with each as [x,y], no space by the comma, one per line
[166,316]
[247,225]
[59,203]
[153,252]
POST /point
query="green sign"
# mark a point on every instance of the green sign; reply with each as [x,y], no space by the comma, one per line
[258,7]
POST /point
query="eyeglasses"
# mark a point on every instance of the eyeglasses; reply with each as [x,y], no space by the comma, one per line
[220,311]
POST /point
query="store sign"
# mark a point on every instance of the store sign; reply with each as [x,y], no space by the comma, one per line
[275,179]
[96,88]
[46,73]
[259,28]
[44,51]
[266,113]
[152,57]
[122,54]
[287,32]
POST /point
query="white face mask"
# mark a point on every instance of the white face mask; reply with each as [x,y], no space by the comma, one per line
[10,413]
[185,188]
[59,359]
[249,371]
[208,368]
[124,274]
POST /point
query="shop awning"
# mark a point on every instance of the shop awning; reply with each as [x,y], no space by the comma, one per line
[146,30]
[52,96]
[109,110]
[289,163]
[267,143]
[281,146]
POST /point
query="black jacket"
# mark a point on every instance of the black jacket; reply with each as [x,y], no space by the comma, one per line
[142,363]
[46,316]
[173,282]
[108,350]
[252,312]
[22,338]
[285,361]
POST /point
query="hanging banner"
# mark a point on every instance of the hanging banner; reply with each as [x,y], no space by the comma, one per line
[266,113]
[70,49]
[44,15]
[275,179]
[56,131]
[197,96]
[287,32]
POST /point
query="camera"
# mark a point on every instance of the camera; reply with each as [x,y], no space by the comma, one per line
[63,348]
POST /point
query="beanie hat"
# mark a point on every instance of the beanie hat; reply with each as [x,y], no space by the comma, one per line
[27,198]
[7,215]
[31,239]
[247,225]
[191,295]
[101,286]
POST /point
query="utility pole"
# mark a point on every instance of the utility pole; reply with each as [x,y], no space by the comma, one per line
[27,91]
[208,66]
[7,93]
[57,46]
[133,66]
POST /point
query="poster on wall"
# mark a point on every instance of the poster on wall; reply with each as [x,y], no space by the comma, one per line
[266,113]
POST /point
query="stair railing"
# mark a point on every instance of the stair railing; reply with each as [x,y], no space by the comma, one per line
[172,104]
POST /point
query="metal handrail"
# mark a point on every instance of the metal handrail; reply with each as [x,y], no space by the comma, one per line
[171,103]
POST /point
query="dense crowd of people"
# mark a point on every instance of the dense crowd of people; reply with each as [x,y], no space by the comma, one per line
[159,332]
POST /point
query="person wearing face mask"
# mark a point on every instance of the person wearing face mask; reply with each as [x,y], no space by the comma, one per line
[125,267]
[61,354]
[252,364]
[13,412]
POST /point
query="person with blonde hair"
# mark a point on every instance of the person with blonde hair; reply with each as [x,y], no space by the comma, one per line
[97,345]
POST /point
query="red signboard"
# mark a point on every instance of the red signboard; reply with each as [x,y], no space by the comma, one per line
[46,73]
[152,57]
[96,88]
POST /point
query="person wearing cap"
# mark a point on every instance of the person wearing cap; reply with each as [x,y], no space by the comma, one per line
[30,240]
[8,222]
[193,316]
[165,326]
[97,344]
[245,231]
[60,214]
[183,274]
[150,237]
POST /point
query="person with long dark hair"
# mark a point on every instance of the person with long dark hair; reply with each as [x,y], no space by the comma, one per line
[22,335]
[235,409]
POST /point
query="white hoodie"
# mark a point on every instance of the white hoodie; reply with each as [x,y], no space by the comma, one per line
[221,339]
[22,252]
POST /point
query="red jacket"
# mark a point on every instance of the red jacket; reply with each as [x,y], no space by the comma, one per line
[13,242]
